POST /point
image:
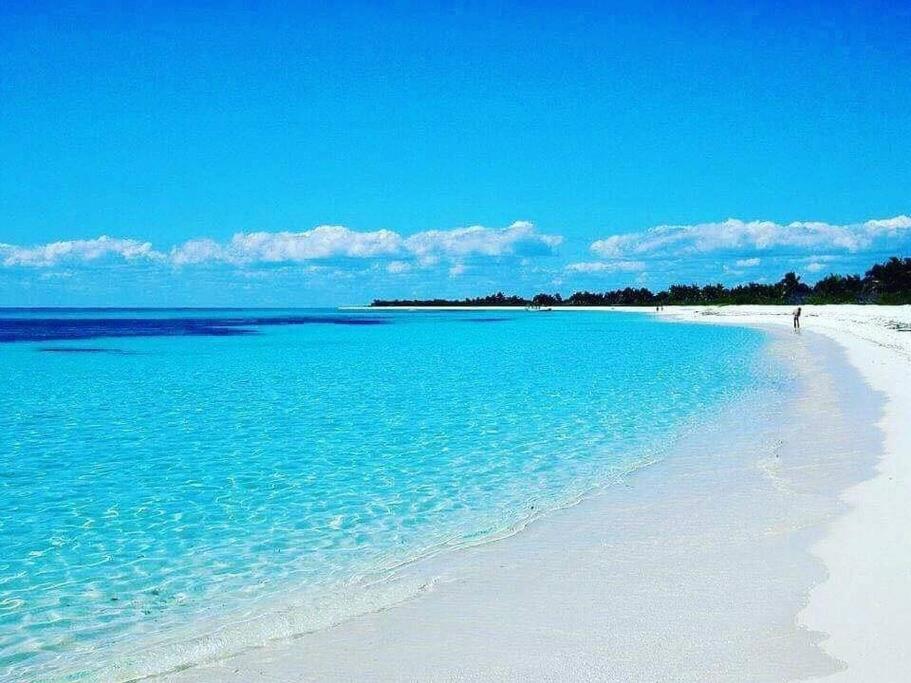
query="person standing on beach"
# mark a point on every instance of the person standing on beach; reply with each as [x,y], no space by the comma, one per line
[797,318]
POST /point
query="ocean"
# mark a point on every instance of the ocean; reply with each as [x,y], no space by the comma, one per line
[176,485]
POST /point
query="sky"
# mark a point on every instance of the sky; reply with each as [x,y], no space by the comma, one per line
[297,154]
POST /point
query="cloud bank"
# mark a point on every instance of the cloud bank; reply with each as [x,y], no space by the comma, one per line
[322,243]
[502,257]
[78,251]
[751,236]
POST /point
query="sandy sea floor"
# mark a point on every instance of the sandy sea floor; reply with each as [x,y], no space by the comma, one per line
[748,555]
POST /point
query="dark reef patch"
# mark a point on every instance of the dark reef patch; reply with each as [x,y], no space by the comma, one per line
[57,329]
[84,349]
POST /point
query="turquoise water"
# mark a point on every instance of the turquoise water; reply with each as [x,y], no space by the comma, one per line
[164,472]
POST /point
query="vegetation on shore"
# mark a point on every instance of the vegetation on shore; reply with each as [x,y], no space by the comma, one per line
[885,283]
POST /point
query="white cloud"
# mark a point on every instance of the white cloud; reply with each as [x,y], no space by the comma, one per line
[676,240]
[78,251]
[198,251]
[606,267]
[425,249]
[324,241]
[456,270]
[519,238]
[889,224]
[747,262]
[335,241]
[815,267]
[397,267]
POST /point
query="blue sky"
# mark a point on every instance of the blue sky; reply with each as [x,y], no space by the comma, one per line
[289,154]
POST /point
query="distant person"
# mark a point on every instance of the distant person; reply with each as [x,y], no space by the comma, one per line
[797,318]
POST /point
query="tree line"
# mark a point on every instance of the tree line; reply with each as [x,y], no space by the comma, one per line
[884,283]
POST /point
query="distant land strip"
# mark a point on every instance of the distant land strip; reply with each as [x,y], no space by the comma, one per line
[884,283]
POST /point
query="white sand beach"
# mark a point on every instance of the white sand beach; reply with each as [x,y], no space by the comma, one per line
[766,551]
[864,604]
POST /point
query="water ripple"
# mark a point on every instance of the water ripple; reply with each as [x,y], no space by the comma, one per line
[192,483]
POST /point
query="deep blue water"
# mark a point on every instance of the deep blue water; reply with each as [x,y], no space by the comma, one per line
[21,329]
[166,469]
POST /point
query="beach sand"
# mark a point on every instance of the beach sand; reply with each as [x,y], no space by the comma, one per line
[764,549]
[864,604]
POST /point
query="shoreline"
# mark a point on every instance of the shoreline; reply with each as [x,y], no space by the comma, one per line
[863,605]
[297,660]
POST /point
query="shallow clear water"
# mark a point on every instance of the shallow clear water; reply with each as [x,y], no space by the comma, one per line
[160,469]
